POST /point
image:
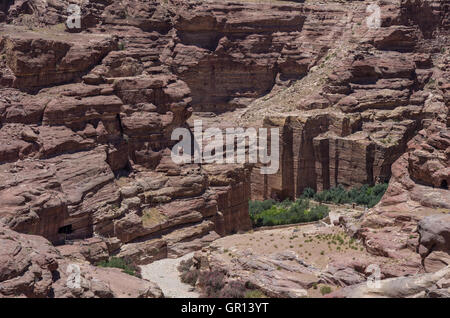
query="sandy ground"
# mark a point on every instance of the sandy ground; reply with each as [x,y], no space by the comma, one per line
[165,273]
[317,245]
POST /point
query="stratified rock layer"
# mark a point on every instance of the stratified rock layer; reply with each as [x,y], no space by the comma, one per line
[31,267]
[87,113]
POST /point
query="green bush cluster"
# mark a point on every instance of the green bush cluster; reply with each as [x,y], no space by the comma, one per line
[365,195]
[270,213]
[117,262]
[325,290]
[260,206]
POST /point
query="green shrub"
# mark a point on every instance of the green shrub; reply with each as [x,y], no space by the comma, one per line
[121,46]
[254,294]
[256,207]
[308,193]
[325,290]
[364,195]
[270,213]
[117,262]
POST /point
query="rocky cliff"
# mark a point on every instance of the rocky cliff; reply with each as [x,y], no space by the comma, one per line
[86,114]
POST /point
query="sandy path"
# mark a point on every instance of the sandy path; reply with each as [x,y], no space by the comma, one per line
[165,273]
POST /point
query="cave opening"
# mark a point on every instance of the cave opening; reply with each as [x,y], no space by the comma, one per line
[67,229]
[5,4]
[444,184]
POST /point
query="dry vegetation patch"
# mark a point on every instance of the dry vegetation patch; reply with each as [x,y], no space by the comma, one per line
[152,217]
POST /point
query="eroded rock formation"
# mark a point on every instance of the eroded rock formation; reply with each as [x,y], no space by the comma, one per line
[360,105]
[86,116]
[31,267]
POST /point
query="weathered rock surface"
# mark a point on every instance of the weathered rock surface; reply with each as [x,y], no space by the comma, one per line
[115,120]
[290,269]
[39,59]
[351,117]
[31,267]
[429,285]
[278,275]
[434,243]
[86,116]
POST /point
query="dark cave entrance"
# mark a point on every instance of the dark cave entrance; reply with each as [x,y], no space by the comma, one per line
[67,229]
[444,184]
[5,4]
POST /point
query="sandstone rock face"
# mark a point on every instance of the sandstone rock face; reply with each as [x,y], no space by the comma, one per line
[105,283]
[228,55]
[64,60]
[278,275]
[31,267]
[87,113]
[356,141]
[434,241]
[273,261]
[114,118]
[391,235]
[359,107]
[423,285]
[24,273]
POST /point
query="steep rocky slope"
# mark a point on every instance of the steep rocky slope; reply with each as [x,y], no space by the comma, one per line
[86,116]
[299,261]
[31,267]
[92,157]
